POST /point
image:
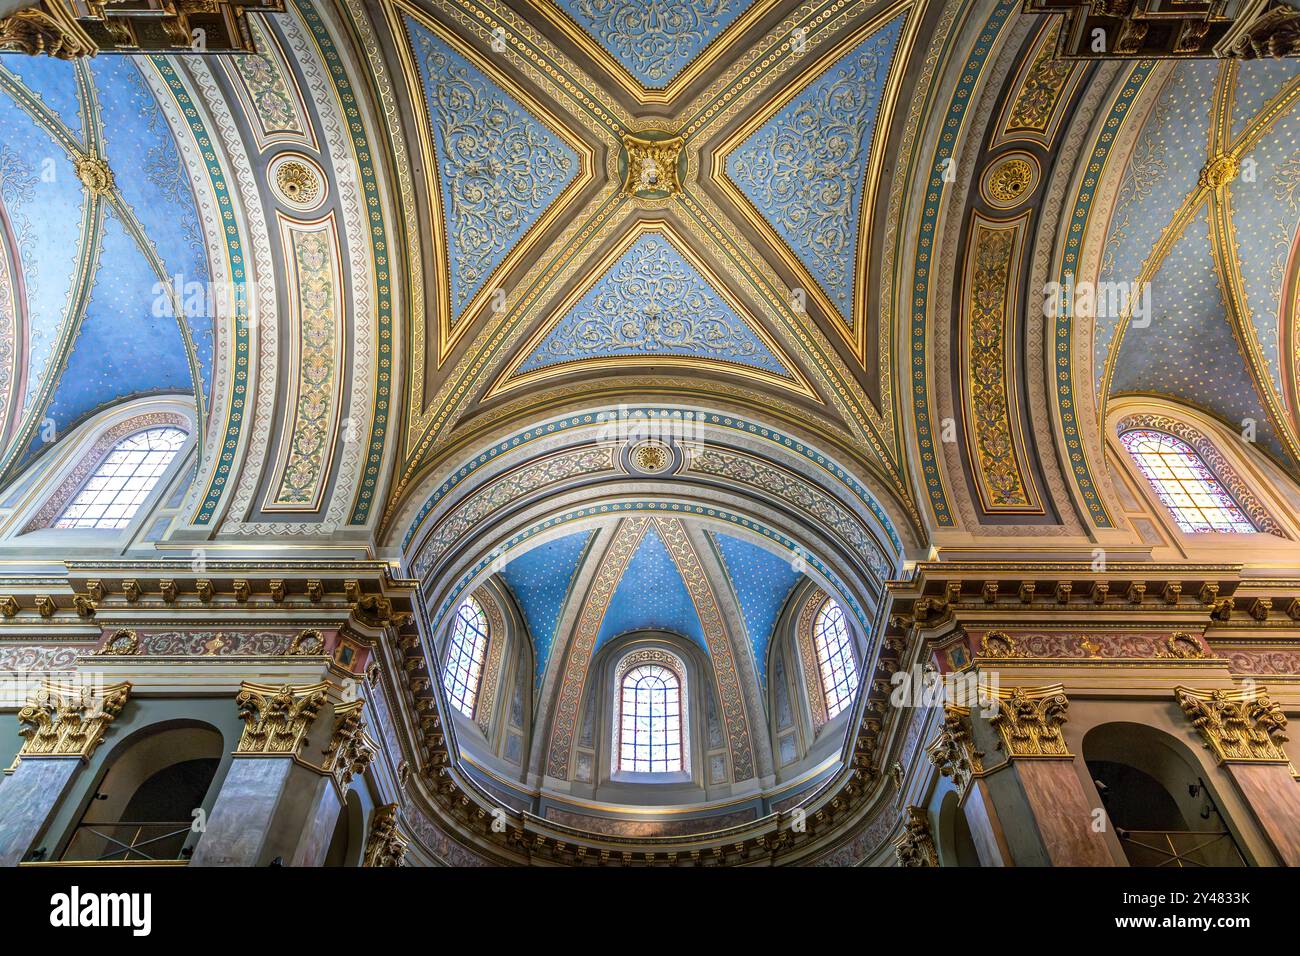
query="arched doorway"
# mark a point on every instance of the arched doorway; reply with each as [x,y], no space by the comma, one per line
[144,806]
[1156,799]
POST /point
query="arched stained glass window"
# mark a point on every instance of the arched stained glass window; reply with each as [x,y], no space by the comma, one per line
[467,648]
[651,719]
[123,480]
[835,657]
[1186,485]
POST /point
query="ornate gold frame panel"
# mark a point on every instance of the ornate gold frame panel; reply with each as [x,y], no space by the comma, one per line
[270,52]
[714,50]
[295,455]
[991,419]
[510,378]
[449,329]
[854,335]
[1043,86]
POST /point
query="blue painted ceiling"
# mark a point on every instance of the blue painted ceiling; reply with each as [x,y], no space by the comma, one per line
[652,302]
[805,168]
[499,167]
[654,40]
[540,580]
[1191,351]
[119,340]
[651,594]
[762,582]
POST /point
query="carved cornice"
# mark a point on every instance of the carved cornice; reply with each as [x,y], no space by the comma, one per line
[1240,726]
[1029,721]
[915,846]
[277,719]
[68,29]
[385,845]
[63,721]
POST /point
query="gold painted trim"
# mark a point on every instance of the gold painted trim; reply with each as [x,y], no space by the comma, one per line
[853,332]
[451,330]
[510,378]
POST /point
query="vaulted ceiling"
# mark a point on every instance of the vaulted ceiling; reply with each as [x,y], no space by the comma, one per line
[403,234]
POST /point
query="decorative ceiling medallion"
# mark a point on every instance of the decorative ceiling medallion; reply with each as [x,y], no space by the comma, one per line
[1011,179]
[297,181]
[652,164]
[651,456]
[94,174]
[1220,171]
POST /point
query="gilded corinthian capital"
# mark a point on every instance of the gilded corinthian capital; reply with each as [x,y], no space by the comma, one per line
[1240,726]
[953,751]
[69,721]
[277,719]
[385,846]
[1029,721]
[915,846]
[348,754]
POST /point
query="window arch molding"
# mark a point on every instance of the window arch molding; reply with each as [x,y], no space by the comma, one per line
[65,472]
[1204,445]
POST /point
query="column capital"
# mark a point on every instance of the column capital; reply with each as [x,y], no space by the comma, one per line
[277,719]
[1240,726]
[1029,721]
[385,846]
[69,721]
[953,750]
[915,846]
[348,753]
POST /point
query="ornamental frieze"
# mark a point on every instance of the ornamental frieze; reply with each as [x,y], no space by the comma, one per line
[1087,645]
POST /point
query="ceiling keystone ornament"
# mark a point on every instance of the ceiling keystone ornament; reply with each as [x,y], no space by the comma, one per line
[69,721]
[915,846]
[1239,726]
[277,719]
[1029,721]
[651,456]
[1220,171]
[652,164]
[95,174]
[385,846]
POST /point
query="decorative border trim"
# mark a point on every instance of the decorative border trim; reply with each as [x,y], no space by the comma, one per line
[928,226]
[1064,332]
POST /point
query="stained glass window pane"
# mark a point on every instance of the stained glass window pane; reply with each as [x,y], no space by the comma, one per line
[123,480]
[1185,484]
[651,721]
[468,647]
[839,671]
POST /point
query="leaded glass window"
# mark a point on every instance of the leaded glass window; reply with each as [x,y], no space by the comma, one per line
[839,671]
[651,717]
[1185,484]
[465,654]
[123,480]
